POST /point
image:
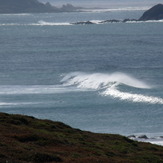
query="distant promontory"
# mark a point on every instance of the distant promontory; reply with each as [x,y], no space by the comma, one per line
[32,6]
[154,13]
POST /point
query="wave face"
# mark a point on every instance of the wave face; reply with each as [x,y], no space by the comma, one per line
[108,85]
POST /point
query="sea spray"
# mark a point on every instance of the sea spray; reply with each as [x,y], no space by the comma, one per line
[100,80]
[108,85]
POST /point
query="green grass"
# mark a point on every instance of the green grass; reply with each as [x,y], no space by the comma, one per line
[27,139]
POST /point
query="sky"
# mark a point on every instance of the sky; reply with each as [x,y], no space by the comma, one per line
[106,3]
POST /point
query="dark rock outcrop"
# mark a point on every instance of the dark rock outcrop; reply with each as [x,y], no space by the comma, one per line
[110,21]
[83,23]
[154,13]
[129,20]
[104,22]
[131,136]
[142,137]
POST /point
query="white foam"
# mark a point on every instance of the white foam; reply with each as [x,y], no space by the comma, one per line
[156,142]
[152,141]
[10,24]
[18,14]
[34,89]
[16,103]
[147,21]
[96,21]
[100,80]
[154,21]
[100,10]
[39,23]
[150,138]
[5,104]
[44,23]
[108,85]
[132,97]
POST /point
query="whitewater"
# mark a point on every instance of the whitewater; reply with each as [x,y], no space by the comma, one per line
[109,84]
[97,22]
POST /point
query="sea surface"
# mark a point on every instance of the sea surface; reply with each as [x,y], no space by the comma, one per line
[105,78]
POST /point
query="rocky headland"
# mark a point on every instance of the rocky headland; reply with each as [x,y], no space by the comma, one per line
[32,6]
[25,139]
[154,13]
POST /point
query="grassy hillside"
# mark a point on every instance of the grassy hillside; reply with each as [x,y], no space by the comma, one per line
[27,139]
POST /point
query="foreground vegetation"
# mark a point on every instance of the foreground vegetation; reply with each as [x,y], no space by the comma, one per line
[26,139]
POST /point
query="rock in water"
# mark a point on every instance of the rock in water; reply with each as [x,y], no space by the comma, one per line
[111,21]
[83,23]
[154,13]
[142,137]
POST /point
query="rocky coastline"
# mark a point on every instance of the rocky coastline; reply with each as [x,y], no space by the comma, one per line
[154,13]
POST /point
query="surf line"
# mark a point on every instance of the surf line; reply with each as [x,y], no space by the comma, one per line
[113,92]
[108,85]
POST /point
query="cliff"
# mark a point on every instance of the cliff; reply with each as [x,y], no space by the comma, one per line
[26,139]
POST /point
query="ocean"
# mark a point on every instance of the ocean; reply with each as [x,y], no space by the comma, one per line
[105,78]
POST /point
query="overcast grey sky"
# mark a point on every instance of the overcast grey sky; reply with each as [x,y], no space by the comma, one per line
[106,3]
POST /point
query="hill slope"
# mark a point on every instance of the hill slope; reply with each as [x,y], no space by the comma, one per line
[26,139]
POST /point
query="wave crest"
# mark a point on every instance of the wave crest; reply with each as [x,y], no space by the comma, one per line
[100,80]
[132,97]
[108,85]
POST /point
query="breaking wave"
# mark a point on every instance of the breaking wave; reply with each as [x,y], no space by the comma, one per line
[132,97]
[41,22]
[108,85]
[147,21]
[101,10]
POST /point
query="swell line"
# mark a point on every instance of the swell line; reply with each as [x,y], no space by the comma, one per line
[108,85]
[132,97]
